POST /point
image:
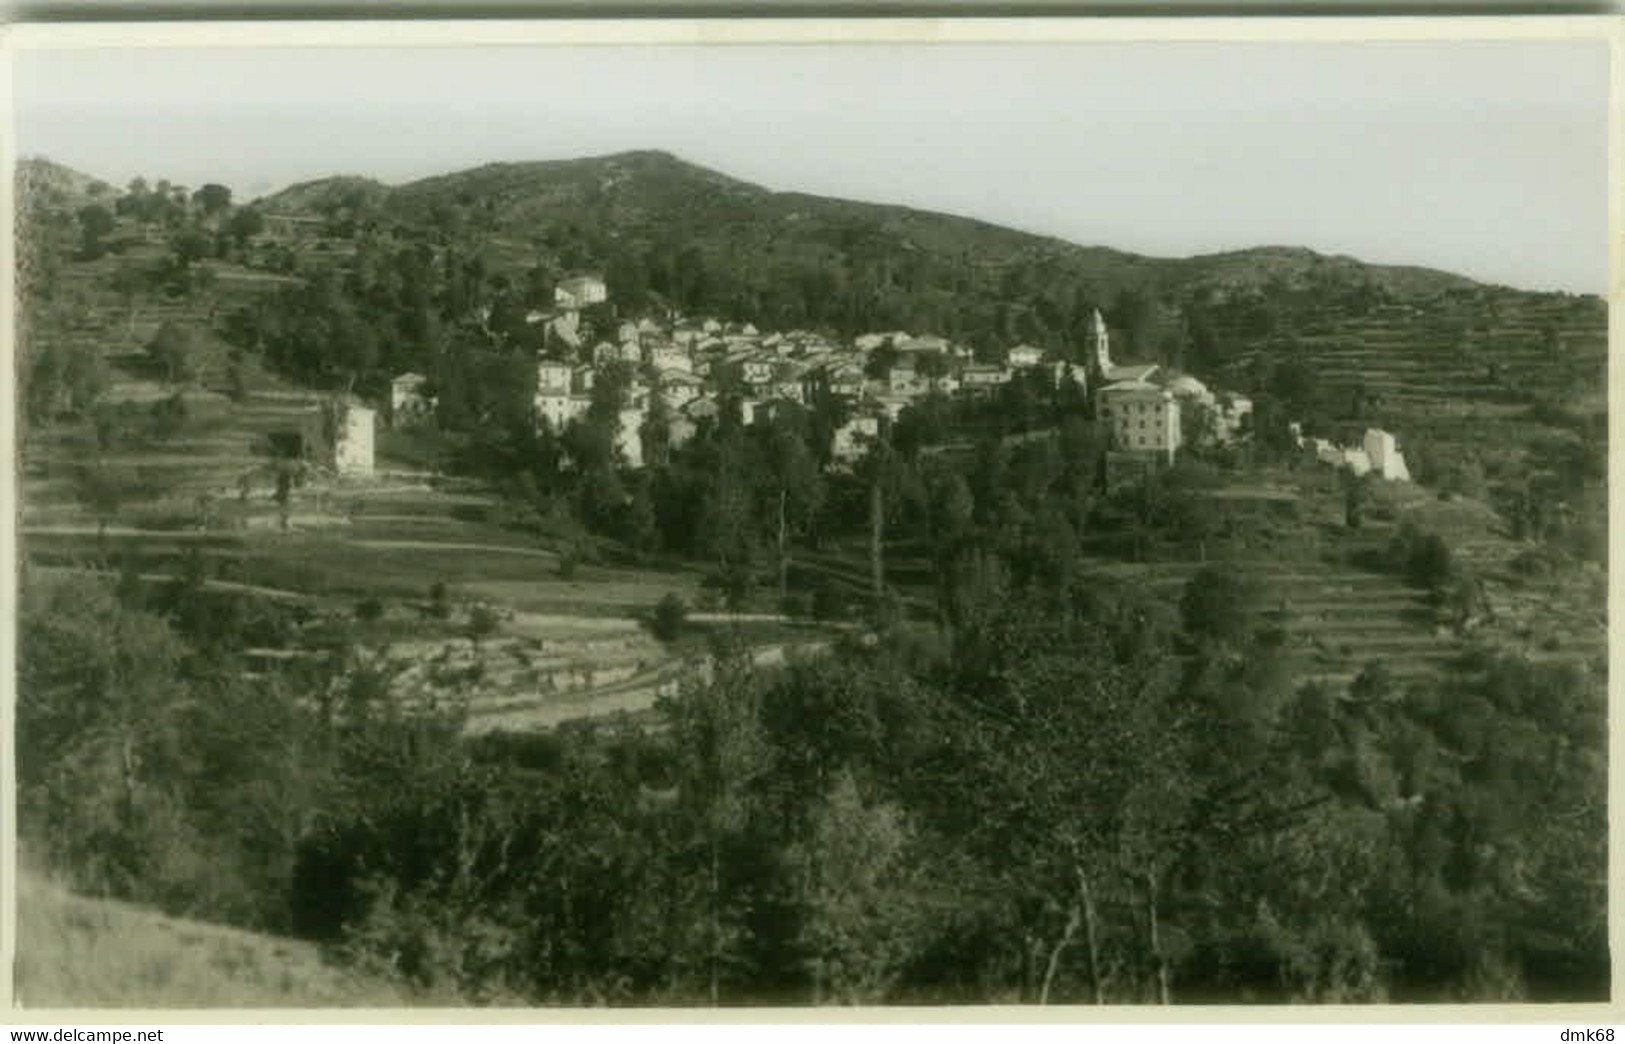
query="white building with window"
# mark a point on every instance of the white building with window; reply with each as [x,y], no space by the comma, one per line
[558,409]
[1139,417]
[553,377]
[353,426]
[573,294]
[1383,452]
[407,401]
[1024,356]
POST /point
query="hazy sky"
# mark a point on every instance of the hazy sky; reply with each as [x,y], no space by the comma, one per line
[1488,159]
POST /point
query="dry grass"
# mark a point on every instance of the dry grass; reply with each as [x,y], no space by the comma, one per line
[76,952]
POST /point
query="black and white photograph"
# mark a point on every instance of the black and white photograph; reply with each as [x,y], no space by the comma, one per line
[775,516]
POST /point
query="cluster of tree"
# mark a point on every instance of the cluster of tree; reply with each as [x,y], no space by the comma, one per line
[1069,795]
[1426,560]
[59,370]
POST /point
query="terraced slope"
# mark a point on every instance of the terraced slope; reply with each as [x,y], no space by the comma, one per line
[1458,352]
[1337,618]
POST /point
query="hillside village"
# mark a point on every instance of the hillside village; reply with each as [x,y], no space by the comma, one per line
[693,368]
[599,518]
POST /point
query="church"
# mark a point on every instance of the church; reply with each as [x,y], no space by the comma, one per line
[1144,409]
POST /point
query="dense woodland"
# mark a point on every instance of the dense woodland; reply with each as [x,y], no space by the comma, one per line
[1041,787]
[1068,794]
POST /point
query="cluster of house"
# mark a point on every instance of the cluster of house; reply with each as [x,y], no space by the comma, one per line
[692,364]
[1147,411]
[1377,454]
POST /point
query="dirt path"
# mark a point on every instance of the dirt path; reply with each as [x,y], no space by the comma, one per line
[435,545]
[632,695]
[74,529]
[209,585]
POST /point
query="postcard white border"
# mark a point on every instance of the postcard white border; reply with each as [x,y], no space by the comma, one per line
[807,32]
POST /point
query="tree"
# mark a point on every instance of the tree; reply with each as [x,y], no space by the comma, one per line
[1072,752]
[102,718]
[245,223]
[670,614]
[1217,606]
[1425,558]
[796,489]
[174,349]
[1356,489]
[1198,424]
[656,432]
[212,198]
[717,737]
[288,473]
[188,246]
[95,224]
[950,519]
[129,281]
[857,887]
[102,492]
[483,622]
[879,472]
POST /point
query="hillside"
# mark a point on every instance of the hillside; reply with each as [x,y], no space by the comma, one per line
[669,233]
[77,952]
[650,198]
[323,195]
[56,184]
[528,710]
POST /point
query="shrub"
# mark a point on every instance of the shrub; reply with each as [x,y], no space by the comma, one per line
[1217,605]
[169,416]
[370,610]
[1430,563]
[482,622]
[670,615]
[1535,563]
[1424,558]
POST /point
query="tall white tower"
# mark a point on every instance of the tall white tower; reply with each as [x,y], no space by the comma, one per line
[1101,343]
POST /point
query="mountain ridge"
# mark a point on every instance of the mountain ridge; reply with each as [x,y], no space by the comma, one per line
[568,181]
[360,192]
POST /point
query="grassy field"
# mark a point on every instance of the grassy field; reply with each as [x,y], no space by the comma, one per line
[78,952]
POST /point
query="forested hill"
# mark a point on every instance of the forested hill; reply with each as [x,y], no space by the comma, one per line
[53,184]
[701,239]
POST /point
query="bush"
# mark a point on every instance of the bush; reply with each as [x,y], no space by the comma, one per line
[1535,563]
[369,611]
[439,605]
[1424,558]
[1217,605]
[169,416]
[482,622]
[1430,563]
[670,615]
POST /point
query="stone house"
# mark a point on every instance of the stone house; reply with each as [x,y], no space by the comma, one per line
[1024,356]
[553,377]
[407,402]
[580,292]
[1139,417]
